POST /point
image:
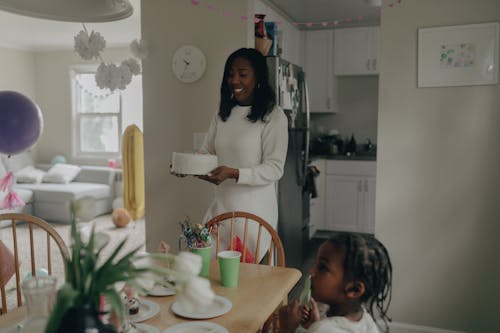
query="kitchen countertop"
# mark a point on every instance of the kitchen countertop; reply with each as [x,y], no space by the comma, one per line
[356,157]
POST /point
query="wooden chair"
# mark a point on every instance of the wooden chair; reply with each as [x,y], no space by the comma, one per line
[275,247]
[32,221]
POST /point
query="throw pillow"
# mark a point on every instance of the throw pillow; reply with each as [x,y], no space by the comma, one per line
[29,175]
[8,267]
[61,173]
[238,246]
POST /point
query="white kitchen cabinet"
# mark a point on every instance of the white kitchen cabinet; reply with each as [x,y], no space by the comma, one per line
[356,51]
[317,205]
[350,196]
[319,71]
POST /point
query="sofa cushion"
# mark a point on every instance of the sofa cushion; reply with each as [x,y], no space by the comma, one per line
[66,192]
[29,175]
[61,173]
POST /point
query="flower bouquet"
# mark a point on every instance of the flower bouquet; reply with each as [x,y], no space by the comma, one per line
[199,240]
[89,277]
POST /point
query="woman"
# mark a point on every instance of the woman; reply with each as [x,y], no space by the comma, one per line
[249,135]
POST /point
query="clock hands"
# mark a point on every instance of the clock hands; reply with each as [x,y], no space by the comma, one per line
[186,65]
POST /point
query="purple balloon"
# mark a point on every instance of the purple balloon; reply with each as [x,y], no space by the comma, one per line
[21,123]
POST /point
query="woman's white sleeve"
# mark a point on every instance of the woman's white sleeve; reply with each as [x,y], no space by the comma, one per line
[208,146]
[274,148]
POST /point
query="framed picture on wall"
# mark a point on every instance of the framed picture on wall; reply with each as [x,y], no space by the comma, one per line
[460,55]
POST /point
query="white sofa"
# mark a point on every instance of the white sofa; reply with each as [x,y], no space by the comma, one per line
[52,201]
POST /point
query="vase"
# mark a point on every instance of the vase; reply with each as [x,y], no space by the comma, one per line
[39,293]
[83,320]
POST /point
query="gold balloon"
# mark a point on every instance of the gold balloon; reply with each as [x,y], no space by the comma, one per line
[133,172]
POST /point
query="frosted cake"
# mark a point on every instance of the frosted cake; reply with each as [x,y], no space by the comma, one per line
[193,164]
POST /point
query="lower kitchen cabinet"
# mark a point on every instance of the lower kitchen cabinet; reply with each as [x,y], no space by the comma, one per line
[349,197]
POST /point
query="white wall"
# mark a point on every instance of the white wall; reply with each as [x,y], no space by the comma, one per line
[173,111]
[438,180]
[53,90]
[17,68]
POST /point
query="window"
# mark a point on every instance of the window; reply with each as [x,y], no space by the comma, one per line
[100,116]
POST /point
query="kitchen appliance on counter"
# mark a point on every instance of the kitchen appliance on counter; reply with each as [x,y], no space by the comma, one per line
[289,84]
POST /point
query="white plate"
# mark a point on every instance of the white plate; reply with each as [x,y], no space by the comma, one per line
[147,309]
[159,290]
[196,327]
[219,306]
[144,328]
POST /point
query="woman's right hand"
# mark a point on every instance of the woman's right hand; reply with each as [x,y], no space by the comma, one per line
[220,174]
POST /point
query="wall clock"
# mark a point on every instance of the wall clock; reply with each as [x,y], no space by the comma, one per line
[188,63]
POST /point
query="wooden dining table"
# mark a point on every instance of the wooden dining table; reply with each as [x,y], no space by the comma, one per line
[261,289]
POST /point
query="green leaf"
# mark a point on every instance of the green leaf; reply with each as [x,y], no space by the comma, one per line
[65,299]
[115,300]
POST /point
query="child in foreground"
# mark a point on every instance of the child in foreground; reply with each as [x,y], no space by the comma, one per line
[353,275]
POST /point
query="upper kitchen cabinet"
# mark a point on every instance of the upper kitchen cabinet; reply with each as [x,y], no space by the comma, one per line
[356,51]
[319,71]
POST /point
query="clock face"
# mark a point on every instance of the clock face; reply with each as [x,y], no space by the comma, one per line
[188,63]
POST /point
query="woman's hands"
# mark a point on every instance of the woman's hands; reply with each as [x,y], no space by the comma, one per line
[294,314]
[220,174]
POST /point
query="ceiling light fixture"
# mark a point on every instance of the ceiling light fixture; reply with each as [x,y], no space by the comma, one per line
[70,10]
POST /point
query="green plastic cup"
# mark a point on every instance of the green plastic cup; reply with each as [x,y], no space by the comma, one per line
[205,253]
[229,265]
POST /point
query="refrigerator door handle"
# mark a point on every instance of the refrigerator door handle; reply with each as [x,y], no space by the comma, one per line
[308,122]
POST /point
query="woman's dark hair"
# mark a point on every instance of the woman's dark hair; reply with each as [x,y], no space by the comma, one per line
[367,260]
[264,98]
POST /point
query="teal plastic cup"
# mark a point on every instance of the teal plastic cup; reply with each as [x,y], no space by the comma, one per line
[229,265]
[205,253]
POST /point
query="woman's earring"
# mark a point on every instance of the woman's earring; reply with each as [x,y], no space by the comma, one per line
[258,85]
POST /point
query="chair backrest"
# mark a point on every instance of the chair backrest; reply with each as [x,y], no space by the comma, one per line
[275,246]
[50,232]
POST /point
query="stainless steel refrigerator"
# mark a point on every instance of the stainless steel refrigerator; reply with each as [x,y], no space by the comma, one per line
[289,83]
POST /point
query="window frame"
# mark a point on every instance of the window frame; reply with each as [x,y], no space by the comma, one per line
[77,116]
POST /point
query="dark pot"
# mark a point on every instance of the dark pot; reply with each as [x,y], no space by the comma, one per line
[82,319]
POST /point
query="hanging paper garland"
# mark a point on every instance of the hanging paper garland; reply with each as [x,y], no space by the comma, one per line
[324,24]
[110,76]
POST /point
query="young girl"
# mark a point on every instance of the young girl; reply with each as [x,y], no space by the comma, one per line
[353,275]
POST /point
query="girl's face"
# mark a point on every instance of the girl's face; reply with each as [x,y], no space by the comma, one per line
[242,81]
[327,276]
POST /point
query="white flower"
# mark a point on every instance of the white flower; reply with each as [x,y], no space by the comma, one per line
[187,263]
[133,66]
[89,47]
[108,76]
[194,294]
[125,76]
[139,49]
[84,208]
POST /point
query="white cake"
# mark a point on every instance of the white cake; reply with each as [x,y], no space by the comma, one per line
[193,164]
